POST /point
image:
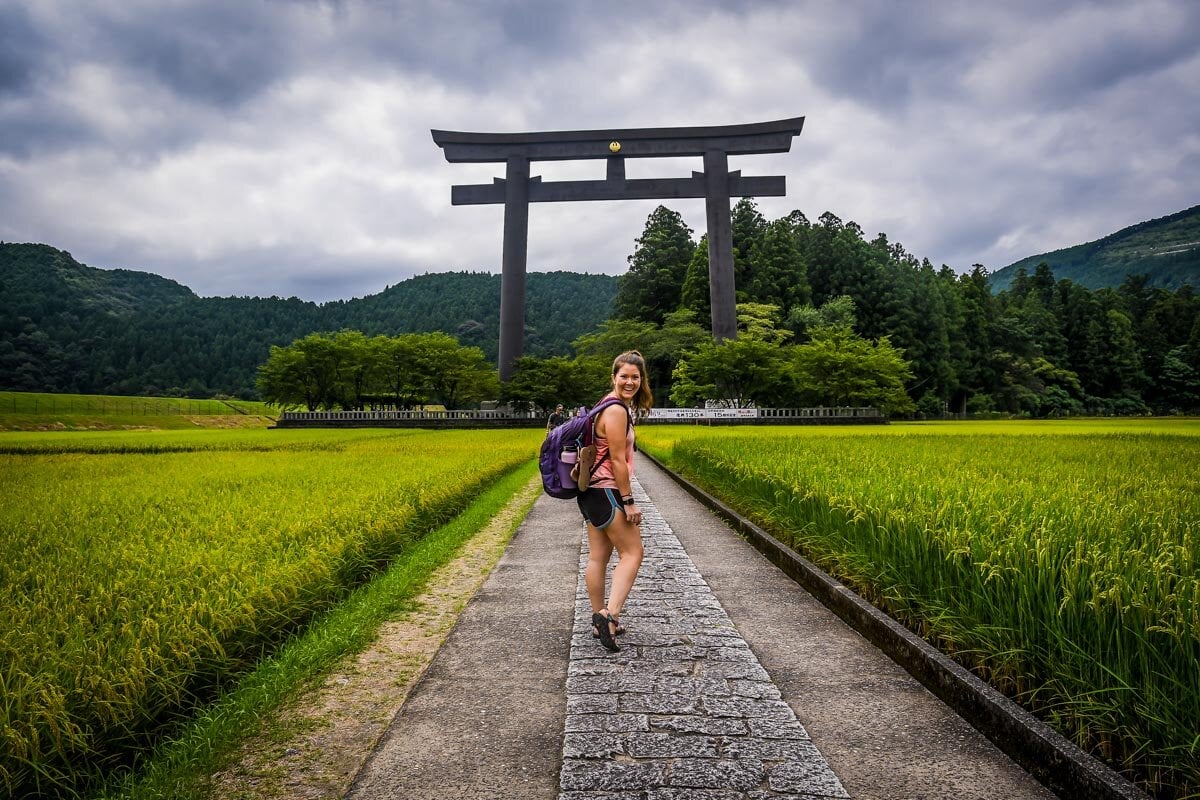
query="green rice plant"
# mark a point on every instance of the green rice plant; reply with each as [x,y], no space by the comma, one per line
[1058,560]
[183,767]
[137,583]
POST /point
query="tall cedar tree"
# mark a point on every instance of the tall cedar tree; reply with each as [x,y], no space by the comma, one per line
[695,295]
[749,228]
[657,268]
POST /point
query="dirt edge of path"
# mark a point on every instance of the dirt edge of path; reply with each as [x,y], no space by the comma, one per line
[312,748]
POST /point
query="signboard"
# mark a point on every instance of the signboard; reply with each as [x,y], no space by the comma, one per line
[703,413]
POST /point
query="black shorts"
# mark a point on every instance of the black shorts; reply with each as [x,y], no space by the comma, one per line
[600,506]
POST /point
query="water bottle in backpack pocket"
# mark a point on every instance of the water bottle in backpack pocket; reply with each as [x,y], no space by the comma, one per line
[568,460]
[567,455]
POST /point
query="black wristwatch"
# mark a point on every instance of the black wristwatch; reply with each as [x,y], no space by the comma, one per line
[627,501]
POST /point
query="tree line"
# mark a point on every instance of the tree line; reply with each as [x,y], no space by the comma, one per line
[766,365]
[66,327]
[832,366]
[1042,347]
[827,317]
[351,371]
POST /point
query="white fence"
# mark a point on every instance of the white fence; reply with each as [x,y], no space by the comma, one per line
[469,419]
[407,416]
[840,412]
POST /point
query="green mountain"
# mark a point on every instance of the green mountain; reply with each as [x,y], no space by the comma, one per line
[1167,249]
[559,307]
[37,277]
[67,327]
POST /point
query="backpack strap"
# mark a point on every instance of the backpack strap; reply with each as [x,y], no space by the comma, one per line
[595,412]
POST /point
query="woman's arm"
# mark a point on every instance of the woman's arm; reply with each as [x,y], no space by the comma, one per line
[614,426]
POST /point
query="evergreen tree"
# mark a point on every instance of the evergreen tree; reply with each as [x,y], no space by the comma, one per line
[696,295]
[975,376]
[779,275]
[1042,285]
[1180,381]
[823,266]
[749,227]
[1124,374]
[1082,333]
[657,268]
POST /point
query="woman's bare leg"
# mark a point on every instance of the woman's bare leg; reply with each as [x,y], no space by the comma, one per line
[627,538]
[599,551]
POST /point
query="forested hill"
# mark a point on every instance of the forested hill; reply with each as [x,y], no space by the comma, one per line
[1167,249]
[34,276]
[66,327]
[559,307]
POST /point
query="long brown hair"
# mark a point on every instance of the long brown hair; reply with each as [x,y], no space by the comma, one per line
[644,399]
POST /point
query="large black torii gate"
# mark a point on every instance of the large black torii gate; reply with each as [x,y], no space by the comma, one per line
[516,190]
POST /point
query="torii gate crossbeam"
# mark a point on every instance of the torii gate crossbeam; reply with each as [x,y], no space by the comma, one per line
[516,190]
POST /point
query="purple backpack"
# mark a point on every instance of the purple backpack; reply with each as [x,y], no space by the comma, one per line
[561,449]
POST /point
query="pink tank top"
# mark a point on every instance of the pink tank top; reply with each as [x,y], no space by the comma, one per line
[602,476]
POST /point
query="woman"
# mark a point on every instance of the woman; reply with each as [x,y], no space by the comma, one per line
[613,519]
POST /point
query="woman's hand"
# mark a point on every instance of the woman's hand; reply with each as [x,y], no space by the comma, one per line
[633,514]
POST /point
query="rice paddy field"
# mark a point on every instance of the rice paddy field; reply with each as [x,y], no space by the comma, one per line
[39,411]
[1059,560]
[141,572]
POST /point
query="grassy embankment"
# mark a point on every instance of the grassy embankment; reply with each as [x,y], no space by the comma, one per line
[1058,559]
[34,411]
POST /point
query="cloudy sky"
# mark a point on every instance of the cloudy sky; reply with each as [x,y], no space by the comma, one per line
[283,148]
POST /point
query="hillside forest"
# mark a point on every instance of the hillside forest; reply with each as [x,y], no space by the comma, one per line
[826,317]
[1042,347]
[66,327]
[1166,249]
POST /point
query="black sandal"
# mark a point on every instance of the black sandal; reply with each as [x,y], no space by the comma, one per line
[605,634]
[620,628]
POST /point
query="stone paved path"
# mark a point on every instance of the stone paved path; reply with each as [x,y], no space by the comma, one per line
[684,710]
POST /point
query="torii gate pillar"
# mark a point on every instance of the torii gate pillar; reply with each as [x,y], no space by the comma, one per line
[721,293]
[512,268]
[517,190]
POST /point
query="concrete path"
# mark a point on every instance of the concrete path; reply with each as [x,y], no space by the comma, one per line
[733,683]
[486,719]
[685,706]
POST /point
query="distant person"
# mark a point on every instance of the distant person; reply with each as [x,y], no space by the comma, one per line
[556,419]
[613,519]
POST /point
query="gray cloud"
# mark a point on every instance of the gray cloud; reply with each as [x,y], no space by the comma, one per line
[20,43]
[891,55]
[283,147]
[201,53]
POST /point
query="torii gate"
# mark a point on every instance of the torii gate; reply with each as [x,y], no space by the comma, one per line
[516,190]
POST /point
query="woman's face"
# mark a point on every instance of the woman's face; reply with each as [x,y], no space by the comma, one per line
[627,381]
